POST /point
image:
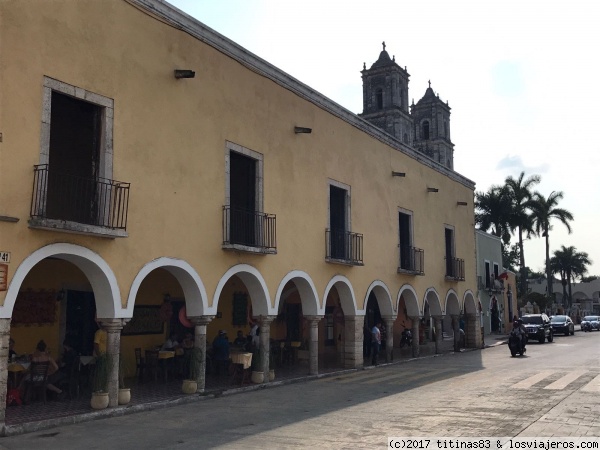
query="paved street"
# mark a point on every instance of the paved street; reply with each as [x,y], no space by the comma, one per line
[552,391]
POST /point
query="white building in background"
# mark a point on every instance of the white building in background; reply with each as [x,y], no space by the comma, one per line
[586,296]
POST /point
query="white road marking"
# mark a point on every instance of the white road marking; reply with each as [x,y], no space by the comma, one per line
[528,382]
[592,386]
[563,382]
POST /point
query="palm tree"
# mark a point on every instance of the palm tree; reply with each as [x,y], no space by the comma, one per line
[572,264]
[520,193]
[492,210]
[543,210]
[557,266]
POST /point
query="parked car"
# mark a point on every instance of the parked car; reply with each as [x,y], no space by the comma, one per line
[590,323]
[562,324]
[538,327]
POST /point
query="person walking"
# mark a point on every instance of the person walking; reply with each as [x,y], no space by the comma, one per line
[375,343]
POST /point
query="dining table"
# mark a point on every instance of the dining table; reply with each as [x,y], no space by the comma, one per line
[242,362]
[17,370]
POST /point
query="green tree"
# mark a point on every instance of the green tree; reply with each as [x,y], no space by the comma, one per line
[543,211]
[572,264]
[493,211]
[520,192]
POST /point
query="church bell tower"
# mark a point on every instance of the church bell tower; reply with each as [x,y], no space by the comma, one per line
[385,97]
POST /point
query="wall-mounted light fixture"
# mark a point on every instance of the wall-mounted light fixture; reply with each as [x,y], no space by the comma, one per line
[184,73]
[398,174]
[432,189]
[300,130]
[461,203]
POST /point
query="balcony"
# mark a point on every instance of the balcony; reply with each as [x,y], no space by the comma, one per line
[74,204]
[455,269]
[344,247]
[490,284]
[249,231]
[412,261]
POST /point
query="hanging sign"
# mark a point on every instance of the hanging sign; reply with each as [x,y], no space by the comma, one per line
[4,257]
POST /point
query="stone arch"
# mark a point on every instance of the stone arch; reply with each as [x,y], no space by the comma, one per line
[383,296]
[452,303]
[257,288]
[433,299]
[306,288]
[579,295]
[346,293]
[469,302]
[196,300]
[97,271]
[410,300]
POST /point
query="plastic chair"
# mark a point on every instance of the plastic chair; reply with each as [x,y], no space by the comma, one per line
[37,380]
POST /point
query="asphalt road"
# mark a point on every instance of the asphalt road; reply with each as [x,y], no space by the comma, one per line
[554,390]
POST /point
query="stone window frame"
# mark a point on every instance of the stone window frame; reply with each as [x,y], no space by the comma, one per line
[259,158]
[347,188]
[411,214]
[106,121]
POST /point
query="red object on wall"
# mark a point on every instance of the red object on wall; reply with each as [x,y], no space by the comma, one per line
[184,319]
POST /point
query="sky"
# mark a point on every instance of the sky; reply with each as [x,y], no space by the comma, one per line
[519,76]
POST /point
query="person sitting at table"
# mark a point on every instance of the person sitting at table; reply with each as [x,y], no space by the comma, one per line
[221,352]
[171,343]
[70,357]
[188,341]
[240,340]
[11,349]
[41,355]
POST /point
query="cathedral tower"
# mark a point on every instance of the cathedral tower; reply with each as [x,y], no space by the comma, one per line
[431,119]
[385,97]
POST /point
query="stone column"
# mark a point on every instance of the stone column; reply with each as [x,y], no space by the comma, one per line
[113,329]
[265,334]
[4,338]
[438,333]
[389,337]
[473,331]
[455,329]
[200,324]
[313,345]
[416,322]
[353,347]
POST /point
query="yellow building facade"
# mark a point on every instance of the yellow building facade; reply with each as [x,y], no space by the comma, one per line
[127,185]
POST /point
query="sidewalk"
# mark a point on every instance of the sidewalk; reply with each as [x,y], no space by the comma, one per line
[147,396]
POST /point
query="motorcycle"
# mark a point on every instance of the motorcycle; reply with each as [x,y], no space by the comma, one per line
[406,338]
[586,326]
[516,345]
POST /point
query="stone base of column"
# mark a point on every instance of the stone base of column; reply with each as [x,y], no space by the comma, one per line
[353,346]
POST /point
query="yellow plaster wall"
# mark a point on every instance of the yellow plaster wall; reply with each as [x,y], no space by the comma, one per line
[169,142]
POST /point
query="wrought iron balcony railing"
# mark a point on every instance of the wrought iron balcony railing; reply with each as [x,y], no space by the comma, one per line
[412,260]
[96,201]
[344,246]
[255,230]
[491,284]
[455,268]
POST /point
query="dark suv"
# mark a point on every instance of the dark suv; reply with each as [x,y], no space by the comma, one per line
[538,327]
